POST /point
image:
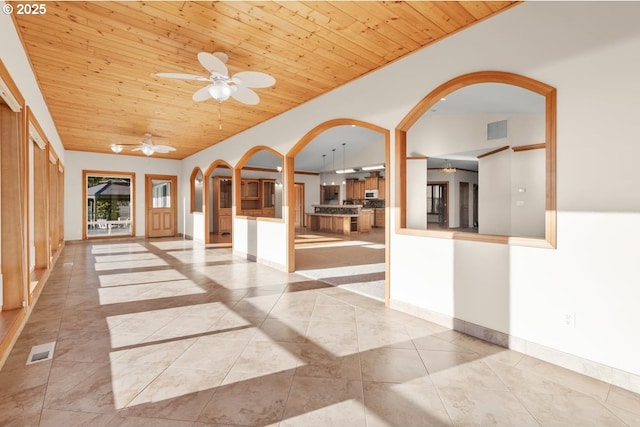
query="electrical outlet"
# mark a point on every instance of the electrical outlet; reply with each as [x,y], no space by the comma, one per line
[569,320]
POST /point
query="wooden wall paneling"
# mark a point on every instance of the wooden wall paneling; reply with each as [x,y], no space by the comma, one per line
[104,58]
[13,209]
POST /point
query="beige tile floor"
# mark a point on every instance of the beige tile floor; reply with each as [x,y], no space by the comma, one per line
[169,333]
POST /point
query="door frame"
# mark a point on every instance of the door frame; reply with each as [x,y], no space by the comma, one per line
[148,179]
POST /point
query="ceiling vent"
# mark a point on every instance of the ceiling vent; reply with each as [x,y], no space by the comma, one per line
[496,130]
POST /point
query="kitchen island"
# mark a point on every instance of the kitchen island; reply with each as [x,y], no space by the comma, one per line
[341,219]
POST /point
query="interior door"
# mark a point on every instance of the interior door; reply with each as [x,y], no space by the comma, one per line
[464,205]
[299,204]
[161,203]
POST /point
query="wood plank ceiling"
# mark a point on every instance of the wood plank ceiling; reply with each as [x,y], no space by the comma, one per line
[95,61]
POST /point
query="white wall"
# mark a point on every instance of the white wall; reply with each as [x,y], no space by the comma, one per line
[416,193]
[311,190]
[78,161]
[528,193]
[16,62]
[591,273]
[494,194]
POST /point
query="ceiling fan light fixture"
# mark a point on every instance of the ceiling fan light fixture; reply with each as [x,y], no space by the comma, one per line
[116,148]
[147,150]
[220,91]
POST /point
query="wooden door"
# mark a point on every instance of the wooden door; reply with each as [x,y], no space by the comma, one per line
[161,204]
[298,200]
[464,204]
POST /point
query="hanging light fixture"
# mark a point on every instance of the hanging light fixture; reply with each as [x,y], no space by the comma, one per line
[147,149]
[323,158]
[116,148]
[220,91]
[344,170]
[448,168]
[333,167]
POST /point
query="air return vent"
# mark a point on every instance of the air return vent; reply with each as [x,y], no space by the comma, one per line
[496,130]
[40,353]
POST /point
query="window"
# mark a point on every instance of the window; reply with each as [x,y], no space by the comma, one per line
[108,204]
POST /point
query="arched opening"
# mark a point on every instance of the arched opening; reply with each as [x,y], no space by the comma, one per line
[259,187]
[196,182]
[338,205]
[476,161]
[218,203]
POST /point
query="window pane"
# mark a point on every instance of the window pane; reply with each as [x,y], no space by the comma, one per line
[161,194]
[108,205]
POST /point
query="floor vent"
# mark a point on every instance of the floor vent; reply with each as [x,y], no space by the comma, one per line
[40,353]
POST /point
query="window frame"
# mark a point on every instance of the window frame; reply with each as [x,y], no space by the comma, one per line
[110,174]
[549,92]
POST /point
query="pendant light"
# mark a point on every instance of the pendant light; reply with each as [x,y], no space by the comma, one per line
[344,152]
[334,165]
[323,158]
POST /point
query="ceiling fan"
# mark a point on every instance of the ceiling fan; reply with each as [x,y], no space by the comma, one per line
[146,146]
[221,86]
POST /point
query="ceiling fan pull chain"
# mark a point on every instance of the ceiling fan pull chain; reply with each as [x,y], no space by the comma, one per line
[219,115]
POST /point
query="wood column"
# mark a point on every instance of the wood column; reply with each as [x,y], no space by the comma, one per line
[13,209]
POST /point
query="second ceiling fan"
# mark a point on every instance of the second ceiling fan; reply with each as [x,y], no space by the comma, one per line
[222,86]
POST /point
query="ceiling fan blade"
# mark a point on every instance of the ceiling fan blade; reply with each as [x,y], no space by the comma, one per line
[163,148]
[136,149]
[221,56]
[182,76]
[212,63]
[255,79]
[245,95]
[201,94]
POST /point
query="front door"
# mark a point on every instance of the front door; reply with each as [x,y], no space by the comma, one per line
[161,200]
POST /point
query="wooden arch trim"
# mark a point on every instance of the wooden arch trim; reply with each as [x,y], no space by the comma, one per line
[217,164]
[549,92]
[289,182]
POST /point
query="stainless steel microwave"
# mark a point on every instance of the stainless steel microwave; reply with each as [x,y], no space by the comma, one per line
[370,194]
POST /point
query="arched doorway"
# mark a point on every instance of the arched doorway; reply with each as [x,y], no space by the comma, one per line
[218,202]
[347,157]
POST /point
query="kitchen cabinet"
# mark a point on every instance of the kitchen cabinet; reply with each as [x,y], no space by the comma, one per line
[250,189]
[365,220]
[371,183]
[378,219]
[381,188]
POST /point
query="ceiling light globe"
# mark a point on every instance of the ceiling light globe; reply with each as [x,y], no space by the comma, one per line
[116,148]
[220,91]
[147,150]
